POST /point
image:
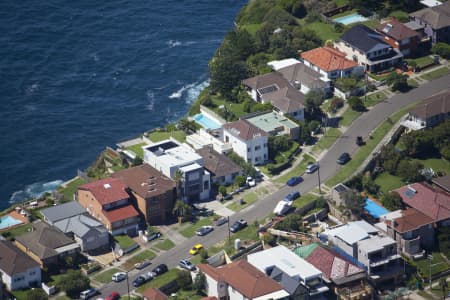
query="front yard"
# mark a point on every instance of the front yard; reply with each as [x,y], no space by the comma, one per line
[374,98]
[165,245]
[190,230]
[160,280]
[436,73]
[105,277]
[248,199]
[144,255]
[438,264]
[328,139]
[299,169]
[124,241]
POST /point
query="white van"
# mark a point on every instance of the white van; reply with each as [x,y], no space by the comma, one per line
[88,293]
[282,208]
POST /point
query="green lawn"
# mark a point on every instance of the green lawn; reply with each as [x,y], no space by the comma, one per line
[421,62]
[297,170]
[436,73]
[144,255]
[437,164]
[124,241]
[423,265]
[158,136]
[284,156]
[190,230]
[249,199]
[413,83]
[137,149]
[349,116]
[340,3]
[71,188]
[17,231]
[165,245]
[105,277]
[328,139]
[303,200]
[374,99]
[323,30]
[388,182]
[160,280]
[235,108]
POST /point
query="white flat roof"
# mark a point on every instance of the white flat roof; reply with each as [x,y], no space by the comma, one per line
[375,243]
[285,260]
[190,167]
[430,3]
[279,64]
[349,233]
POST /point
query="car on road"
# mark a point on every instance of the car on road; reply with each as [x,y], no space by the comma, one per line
[113,296]
[204,230]
[88,293]
[292,196]
[119,276]
[143,278]
[282,208]
[186,264]
[238,225]
[160,269]
[359,141]
[343,158]
[196,249]
[141,265]
[294,180]
[311,168]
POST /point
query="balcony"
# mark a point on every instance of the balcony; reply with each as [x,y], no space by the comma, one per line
[384,260]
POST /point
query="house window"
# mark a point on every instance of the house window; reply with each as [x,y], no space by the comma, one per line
[249,150]
[265,145]
[206,185]
[265,156]
[227,139]
[257,158]
[257,148]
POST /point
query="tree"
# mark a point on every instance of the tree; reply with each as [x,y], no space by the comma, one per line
[182,210]
[370,186]
[354,202]
[409,170]
[442,49]
[204,255]
[239,181]
[73,282]
[392,201]
[277,144]
[223,190]
[178,178]
[199,282]
[184,279]
[313,100]
[35,294]
[292,222]
[397,82]
[389,158]
[356,103]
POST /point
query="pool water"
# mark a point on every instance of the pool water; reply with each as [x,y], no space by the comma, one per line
[349,19]
[8,221]
[374,209]
[206,122]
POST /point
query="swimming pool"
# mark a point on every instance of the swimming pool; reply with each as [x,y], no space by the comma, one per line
[206,122]
[349,19]
[374,209]
[8,221]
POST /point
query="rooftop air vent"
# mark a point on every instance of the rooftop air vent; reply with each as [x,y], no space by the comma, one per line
[107,186]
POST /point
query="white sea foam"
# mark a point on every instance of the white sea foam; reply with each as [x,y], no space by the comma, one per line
[195,90]
[151,100]
[35,190]
[32,89]
[173,43]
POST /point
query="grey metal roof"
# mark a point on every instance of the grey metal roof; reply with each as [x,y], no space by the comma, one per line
[290,284]
[80,225]
[63,211]
[364,38]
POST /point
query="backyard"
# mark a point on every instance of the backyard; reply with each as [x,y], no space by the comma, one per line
[157,136]
[388,182]
[137,149]
[69,190]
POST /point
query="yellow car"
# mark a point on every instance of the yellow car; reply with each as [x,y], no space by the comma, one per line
[196,249]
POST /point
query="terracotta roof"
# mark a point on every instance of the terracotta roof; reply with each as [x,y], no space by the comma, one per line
[106,190]
[438,16]
[145,180]
[411,219]
[154,294]
[396,30]
[443,182]
[244,130]
[121,213]
[328,59]
[433,203]
[433,106]
[13,260]
[244,278]
[217,163]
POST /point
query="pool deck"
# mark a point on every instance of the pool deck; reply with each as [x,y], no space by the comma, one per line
[16,216]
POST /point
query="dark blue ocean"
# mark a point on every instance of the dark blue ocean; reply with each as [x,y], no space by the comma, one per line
[77,76]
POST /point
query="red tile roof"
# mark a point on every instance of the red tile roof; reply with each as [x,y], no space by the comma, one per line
[328,59]
[243,277]
[396,30]
[121,213]
[411,219]
[106,190]
[433,203]
[154,294]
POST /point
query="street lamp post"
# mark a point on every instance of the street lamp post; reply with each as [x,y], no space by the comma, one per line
[128,287]
[430,257]
[318,176]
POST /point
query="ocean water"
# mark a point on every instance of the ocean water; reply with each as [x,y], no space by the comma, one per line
[77,76]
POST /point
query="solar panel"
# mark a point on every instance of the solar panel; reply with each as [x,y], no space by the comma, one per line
[408,193]
[268,89]
[340,188]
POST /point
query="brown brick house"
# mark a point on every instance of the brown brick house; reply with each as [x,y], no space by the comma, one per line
[155,194]
[108,201]
[399,36]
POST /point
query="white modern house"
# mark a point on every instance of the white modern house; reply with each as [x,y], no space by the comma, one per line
[169,157]
[247,141]
[18,270]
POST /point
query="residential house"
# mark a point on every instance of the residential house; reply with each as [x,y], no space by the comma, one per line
[399,36]
[18,270]
[436,21]
[442,182]
[430,112]
[247,140]
[433,202]
[180,162]
[206,138]
[274,124]
[240,280]
[154,294]
[275,89]
[46,244]
[290,265]
[368,48]
[108,201]
[153,192]
[345,277]
[222,169]
[337,194]
[72,219]
[330,63]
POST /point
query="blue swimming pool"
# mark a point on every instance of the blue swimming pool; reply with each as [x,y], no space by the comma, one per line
[374,209]
[349,19]
[206,122]
[8,221]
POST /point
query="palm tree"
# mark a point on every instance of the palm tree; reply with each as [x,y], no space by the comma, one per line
[178,177]
[182,210]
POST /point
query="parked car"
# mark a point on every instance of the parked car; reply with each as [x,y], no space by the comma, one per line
[311,168]
[359,141]
[119,276]
[238,225]
[154,236]
[251,182]
[196,249]
[204,230]
[160,269]
[88,293]
[113,296]
[141,265]
[186,264]
[343,158]
[143,278]
[221,221]
[292,196]
[294,180]
[282,208]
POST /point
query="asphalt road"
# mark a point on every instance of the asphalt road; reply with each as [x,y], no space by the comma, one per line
[363,126]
